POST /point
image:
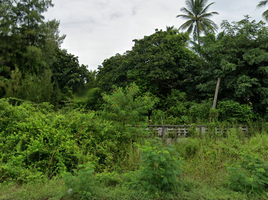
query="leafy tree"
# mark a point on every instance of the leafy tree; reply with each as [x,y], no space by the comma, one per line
[51,41]
[28,47]
[161,62]
[113,71]
[70,76]
[197,17]
[265,13]
[239,56]
[10,40]
[157,64]
[27,41]
[30,18]
[34,88]
[10,87]
[127,106]
[176,104]
[37,89]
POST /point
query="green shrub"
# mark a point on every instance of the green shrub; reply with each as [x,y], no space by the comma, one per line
[91,99]
[109,179]
[250,175]
[234,112]
[200,112]
[81,182]
[38,141]
[161,166]
[188,147]
[127,106]
[159,116]
[176,107]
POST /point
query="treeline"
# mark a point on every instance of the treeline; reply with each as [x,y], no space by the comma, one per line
[179,73]
[184,74]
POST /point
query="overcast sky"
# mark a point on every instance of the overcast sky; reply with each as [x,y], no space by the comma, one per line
[98,29]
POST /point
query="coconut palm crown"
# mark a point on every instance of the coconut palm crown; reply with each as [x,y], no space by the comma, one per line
[265,13]
[198,18]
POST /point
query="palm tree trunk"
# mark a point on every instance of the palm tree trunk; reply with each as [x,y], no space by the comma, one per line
[198,35]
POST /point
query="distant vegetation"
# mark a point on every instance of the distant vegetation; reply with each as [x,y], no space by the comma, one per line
[70,133]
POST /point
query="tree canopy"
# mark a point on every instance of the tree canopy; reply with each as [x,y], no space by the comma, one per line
[32,65]
[164,64]
[157,63]
[239,56]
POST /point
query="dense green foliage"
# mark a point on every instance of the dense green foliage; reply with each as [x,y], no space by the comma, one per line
[39,144]
[70,133]
[161,166]
[157,63]
[250,175]
[126,106]
[32,65]
[81,182]
[238,55]
[52,144]
[163,65]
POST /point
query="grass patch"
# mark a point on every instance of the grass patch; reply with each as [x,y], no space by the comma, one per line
[52,190]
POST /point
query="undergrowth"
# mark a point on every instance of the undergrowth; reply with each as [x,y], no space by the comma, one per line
[75,154]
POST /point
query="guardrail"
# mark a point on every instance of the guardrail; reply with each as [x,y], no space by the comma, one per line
[183,130]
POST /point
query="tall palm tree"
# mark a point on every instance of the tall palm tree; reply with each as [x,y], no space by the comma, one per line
[265,13]
[197,18]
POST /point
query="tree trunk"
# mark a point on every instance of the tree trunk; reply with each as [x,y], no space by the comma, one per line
[216,94]
[198,37]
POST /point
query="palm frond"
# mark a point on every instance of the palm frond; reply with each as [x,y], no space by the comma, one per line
[186,11]
[190,5]
[197,17]
[209,25]
[198,6]
[203,2]
[206,15]
[265,15]
[206,8]
[186,25]
[190,29]
[262,4]
[185,17]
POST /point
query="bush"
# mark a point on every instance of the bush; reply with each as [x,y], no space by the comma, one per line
[250,175]
[161,167]
[200,112]
[188,147]
[234,112]
[81,182]
[38,142]
[108,179]
[127,106]
[159,116]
